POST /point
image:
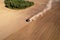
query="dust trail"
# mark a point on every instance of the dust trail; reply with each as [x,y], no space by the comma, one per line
[48,7]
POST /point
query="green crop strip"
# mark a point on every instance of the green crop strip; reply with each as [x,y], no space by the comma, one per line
[18,4]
